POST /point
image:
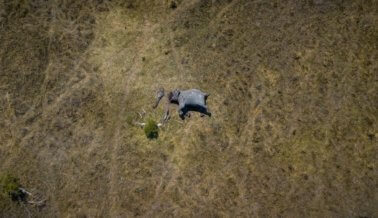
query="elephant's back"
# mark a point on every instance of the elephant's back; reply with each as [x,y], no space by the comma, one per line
[192,97]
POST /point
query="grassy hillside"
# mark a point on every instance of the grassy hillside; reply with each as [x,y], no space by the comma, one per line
[293,89]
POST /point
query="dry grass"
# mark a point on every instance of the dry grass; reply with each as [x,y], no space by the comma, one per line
[293,94]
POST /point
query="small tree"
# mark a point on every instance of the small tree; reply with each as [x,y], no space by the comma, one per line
[10,187]
[151,129]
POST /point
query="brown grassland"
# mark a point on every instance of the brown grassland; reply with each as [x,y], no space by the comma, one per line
[294,100]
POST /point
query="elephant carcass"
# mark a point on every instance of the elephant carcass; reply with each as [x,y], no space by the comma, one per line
[189,100]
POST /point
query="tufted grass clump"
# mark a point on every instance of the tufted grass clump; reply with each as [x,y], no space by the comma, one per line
[151,129]
[10,187]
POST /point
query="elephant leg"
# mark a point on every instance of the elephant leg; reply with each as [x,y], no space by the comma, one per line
[205,111]
[206,96]
[182,113]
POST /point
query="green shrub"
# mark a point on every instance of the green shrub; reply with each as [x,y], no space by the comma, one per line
[151,129]
[10,187]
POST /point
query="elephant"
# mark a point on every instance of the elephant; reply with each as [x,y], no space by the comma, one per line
[189,100]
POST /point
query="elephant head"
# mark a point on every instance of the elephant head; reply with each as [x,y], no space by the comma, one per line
[173,97]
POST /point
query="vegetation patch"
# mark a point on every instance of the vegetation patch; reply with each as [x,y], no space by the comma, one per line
[10,187]
[151,129]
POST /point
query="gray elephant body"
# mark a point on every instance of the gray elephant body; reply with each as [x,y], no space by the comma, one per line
[190,100]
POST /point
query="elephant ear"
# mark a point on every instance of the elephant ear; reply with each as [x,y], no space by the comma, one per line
[173,96]
[176,93]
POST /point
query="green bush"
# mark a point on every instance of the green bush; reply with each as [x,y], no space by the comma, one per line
[10,187]
[151,129]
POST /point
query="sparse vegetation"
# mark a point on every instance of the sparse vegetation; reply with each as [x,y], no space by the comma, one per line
[293,95]
[151,129]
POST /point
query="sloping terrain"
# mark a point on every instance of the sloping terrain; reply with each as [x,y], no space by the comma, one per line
[294,100]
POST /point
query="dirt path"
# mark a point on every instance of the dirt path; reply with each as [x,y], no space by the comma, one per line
[170,175]
[128,81]
[223,11]
[186,5]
